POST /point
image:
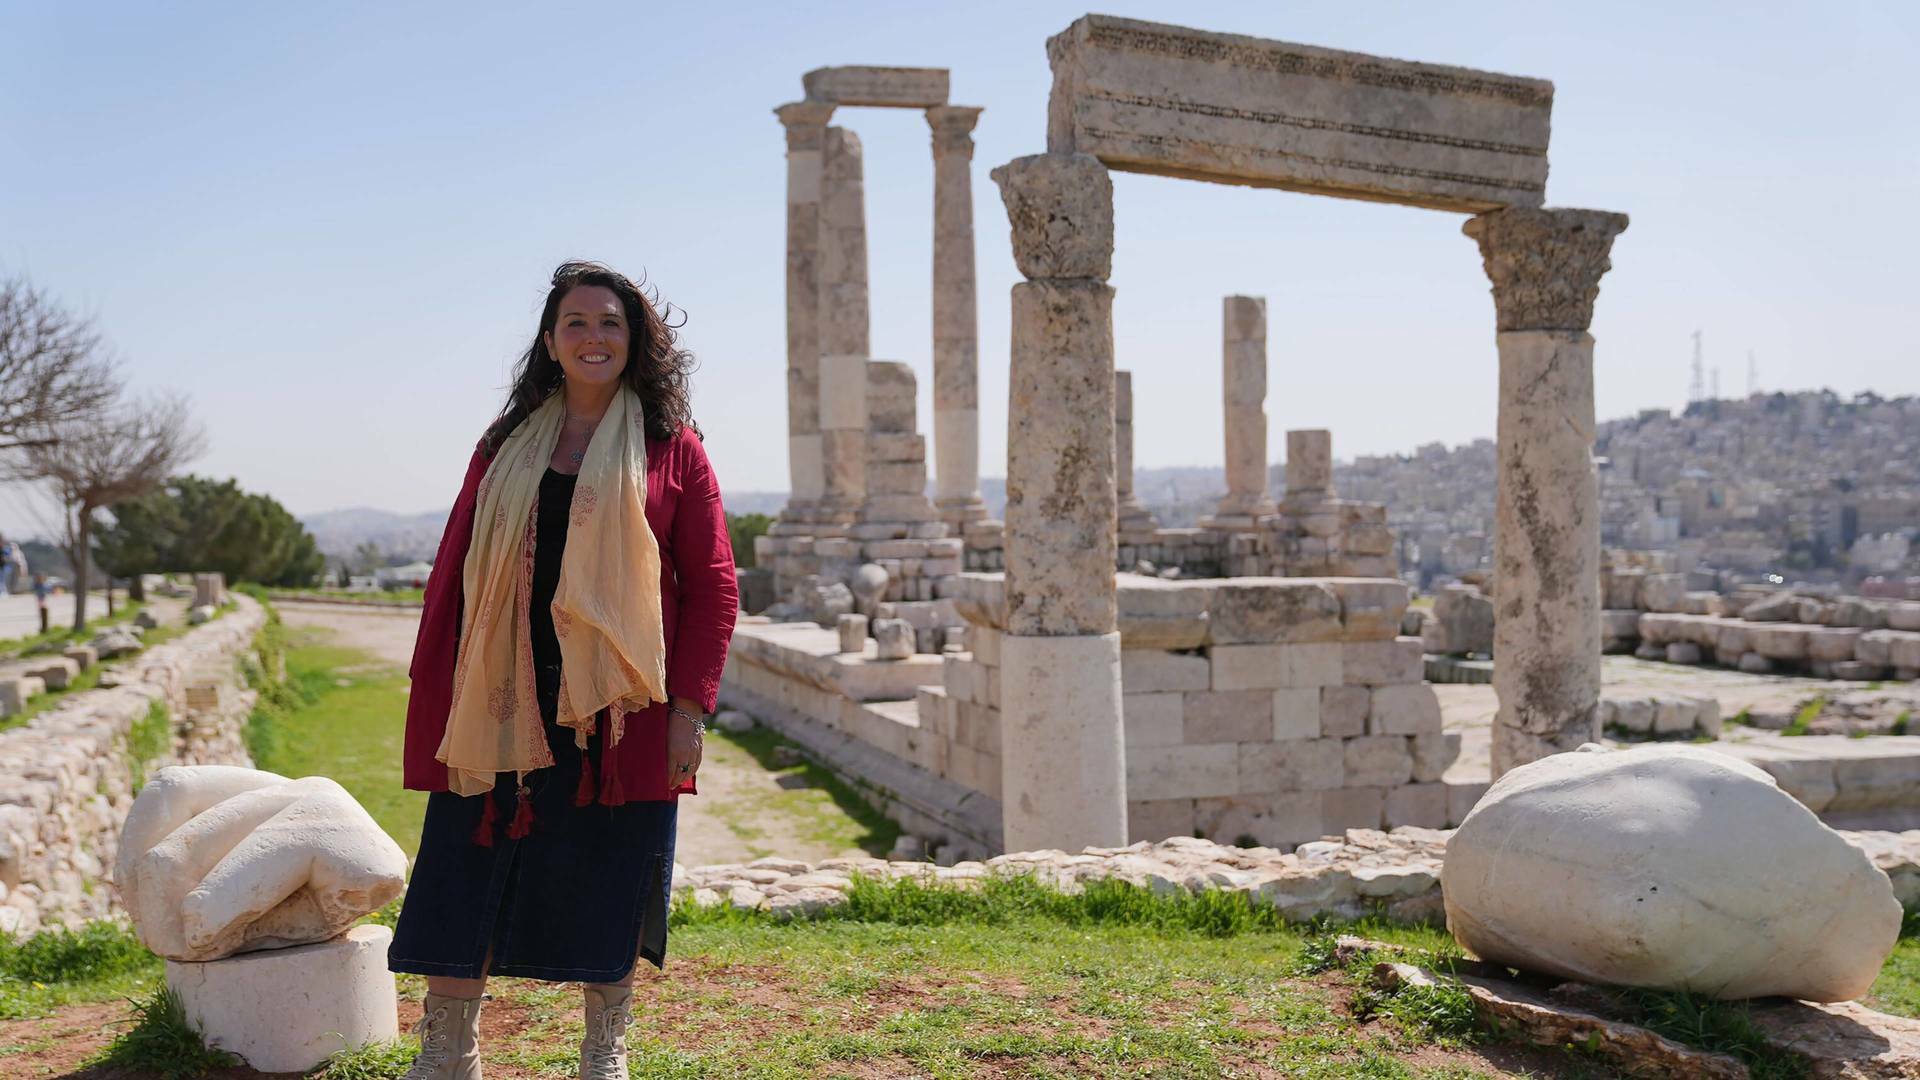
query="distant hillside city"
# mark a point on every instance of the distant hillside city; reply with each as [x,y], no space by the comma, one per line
[1809,486]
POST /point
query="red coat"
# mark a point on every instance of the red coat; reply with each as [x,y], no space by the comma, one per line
[698,601]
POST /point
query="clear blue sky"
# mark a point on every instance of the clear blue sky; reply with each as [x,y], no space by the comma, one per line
[330,223]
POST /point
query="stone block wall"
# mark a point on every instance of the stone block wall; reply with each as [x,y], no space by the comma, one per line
[66,780]
[1656,617]
[1276,709]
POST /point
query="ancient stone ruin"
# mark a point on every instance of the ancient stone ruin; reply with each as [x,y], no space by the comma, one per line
[1251,682]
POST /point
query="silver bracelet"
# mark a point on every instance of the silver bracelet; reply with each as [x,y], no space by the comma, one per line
[699,722]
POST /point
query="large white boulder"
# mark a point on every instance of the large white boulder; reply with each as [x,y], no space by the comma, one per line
[1671,867]
[216,860]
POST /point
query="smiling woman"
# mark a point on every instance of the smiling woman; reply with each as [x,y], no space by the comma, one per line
[570,647]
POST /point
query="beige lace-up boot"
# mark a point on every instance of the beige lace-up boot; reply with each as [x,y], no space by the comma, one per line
[603,1050]
[449,1032]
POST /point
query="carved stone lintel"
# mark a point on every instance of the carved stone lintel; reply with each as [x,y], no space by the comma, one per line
[953,129]
[1545,264]
[806,123]
[1061,210]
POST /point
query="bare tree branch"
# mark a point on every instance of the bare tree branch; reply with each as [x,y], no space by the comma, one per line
[53,367]
[106,458]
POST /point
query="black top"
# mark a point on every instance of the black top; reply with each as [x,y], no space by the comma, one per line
[549,543]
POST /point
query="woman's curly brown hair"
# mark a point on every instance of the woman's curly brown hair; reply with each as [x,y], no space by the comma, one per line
[657,368]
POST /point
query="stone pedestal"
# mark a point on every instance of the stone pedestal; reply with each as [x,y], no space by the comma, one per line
[1062,743]
[1546,267]
[956,334]
[1063,779]
[287,1010]
[806,126]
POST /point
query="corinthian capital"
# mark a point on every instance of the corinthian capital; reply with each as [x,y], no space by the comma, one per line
[1545,264]
[952,129]
[806,123]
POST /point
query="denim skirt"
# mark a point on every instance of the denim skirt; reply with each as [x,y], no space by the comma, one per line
[575,900]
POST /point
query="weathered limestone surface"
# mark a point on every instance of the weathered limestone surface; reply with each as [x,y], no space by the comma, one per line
[956,330]
[1636,868]
[1309,465]
[1061,210]
[288,1010]
[1545,266]
[1062,747]
[1148,97]
[843,313]
[806,127]
[884,87]
[66,779]
[1132,514]
[216,860]
[1244,396]
[1060,460]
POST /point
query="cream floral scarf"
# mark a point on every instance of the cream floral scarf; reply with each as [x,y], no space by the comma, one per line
[606,609]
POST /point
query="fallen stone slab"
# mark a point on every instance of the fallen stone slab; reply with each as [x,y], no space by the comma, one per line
[1842,1040]
[1509,1006]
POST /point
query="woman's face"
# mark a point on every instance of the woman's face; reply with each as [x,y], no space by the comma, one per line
[589,336]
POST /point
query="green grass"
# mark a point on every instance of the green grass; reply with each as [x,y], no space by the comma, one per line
[162,1042]
[1897,990]
[812,804]
[149,738]
[338,714]
[54,967]
[1803,720]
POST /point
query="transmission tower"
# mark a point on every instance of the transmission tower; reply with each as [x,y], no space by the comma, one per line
[1697,389]
[1716,382]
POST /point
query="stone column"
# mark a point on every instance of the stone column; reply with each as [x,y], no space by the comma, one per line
[1243,373]
[1545,266]
[1309,467]
[1062,750]
[806,124]
[844,343]
[1133,515]
[956,327]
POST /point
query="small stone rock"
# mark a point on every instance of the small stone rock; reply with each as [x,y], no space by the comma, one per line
[733,722]
[893,638]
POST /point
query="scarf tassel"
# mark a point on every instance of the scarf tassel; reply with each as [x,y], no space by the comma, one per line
[583,794]
[483,832]
[523,819]
[611,791]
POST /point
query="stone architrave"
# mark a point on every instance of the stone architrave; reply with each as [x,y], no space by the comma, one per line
[1148,97]
[1133,515]
[1309,467]
[806,125]
[1545,265]
[1062,746]
[956,329]
[843,326]
[1243,377]
[883,87]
